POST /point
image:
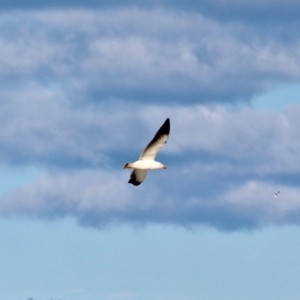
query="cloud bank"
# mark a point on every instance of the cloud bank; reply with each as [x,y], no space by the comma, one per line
[223,170]
[83,91]
[143,55]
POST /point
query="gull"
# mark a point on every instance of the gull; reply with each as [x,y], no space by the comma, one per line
[147,159]
[276,193]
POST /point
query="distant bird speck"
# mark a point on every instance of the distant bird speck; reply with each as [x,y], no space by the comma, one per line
[276,193]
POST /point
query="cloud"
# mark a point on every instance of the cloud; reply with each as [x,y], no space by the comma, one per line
[223,169]
[100,199]
[80,101]
[143,55]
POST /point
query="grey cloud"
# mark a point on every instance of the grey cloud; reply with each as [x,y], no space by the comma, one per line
[45,127]
[140,55]
[264,139]
[42,127]
[223,169]
[73,102]
[100,199]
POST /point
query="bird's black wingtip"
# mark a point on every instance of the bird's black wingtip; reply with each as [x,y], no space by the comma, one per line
[134,182]
[165,128]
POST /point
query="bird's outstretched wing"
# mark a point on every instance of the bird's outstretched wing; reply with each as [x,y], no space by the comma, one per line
[137,176]
[159,140]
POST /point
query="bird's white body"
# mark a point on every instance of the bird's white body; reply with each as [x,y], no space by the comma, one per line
[146,164]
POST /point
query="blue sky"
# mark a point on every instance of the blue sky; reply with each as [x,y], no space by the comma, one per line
[85,86]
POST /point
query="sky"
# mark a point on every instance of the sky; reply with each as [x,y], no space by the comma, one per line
[85,85]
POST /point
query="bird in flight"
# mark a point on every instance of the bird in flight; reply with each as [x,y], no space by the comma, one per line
[276,193]
[147,159]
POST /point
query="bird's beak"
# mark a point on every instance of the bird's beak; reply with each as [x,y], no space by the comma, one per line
[127,166]
[164,167]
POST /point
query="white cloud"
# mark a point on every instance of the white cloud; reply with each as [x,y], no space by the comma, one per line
[74,103]
[258,197]
[136,53]
[190,196]
[45,128]
[246,142]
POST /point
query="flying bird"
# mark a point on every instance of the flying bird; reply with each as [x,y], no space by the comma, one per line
[276,193]
[147,159]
